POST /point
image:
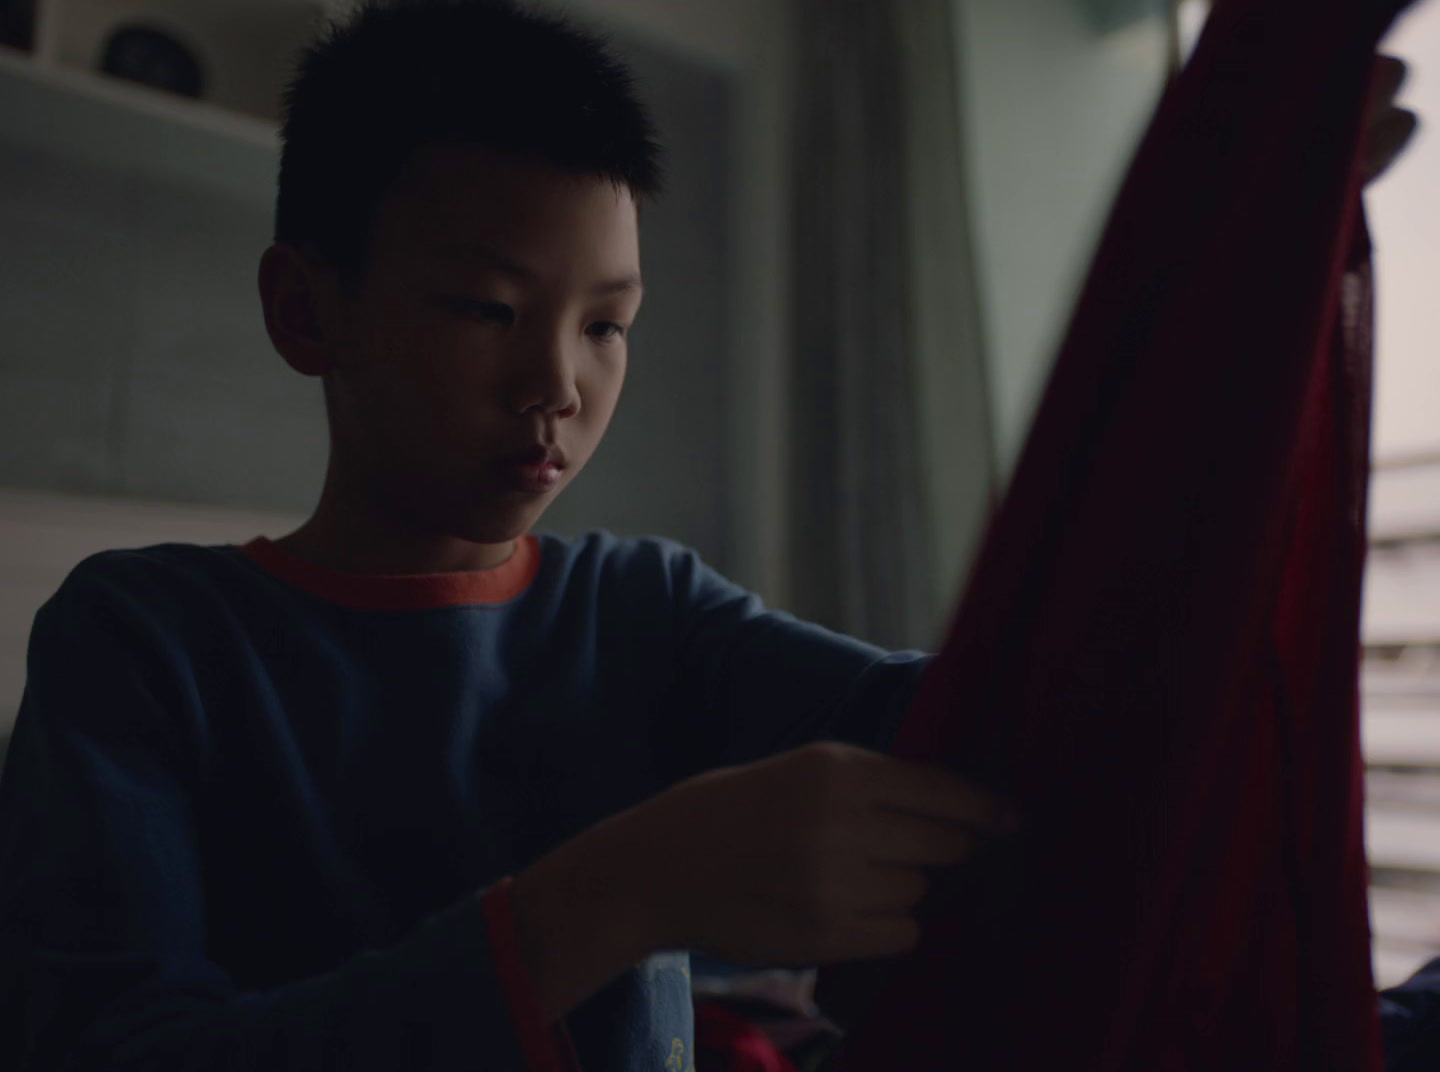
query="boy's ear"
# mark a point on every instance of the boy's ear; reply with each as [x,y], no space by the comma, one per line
[300,297]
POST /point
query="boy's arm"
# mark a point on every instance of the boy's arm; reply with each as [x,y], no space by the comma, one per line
[751,682]
[103,923]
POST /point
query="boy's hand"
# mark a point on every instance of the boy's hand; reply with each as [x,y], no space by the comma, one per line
[1390,127]
[813,856]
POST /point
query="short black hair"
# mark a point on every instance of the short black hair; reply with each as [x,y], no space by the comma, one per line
[399,75]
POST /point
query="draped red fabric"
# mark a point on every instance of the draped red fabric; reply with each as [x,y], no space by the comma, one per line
[1156,656]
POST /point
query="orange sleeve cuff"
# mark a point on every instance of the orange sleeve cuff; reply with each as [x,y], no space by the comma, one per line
[545,1047]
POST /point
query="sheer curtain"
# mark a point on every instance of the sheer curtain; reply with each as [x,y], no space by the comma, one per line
[890,452]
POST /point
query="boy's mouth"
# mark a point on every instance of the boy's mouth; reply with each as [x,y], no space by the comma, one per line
[535,470]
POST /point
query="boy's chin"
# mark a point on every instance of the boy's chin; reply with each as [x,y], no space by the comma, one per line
[502,525]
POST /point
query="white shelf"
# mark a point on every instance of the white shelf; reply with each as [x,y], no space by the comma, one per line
[135,130]
[245,48]
[197,114]
[56,101]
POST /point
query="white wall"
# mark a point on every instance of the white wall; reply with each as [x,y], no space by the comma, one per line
[719,32]
[44,534]
[1405,217]
[749,38]
[1053,109]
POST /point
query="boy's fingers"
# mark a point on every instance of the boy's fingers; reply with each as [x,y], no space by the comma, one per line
[1390,75]
[889,891]
[909,840]
[937,794]
[1392,129]
[887,936]
[1389,134]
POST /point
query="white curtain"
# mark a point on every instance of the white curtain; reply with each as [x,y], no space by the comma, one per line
[891,468]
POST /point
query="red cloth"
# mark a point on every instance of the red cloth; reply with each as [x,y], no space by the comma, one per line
[726,1042]
[1156,656]
[545,1045]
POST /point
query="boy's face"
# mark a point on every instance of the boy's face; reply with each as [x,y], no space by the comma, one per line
[488,332]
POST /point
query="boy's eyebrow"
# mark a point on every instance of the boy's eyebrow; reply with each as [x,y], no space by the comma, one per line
[506,265]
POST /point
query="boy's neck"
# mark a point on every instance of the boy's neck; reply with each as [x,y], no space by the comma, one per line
[360,546]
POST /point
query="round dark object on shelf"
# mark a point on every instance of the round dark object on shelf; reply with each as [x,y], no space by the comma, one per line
[17,24]
[154,58]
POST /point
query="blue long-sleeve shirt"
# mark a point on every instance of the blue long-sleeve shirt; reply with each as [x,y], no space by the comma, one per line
[1410,1018]
[251,806]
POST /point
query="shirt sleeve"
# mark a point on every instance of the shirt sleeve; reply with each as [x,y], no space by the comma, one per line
[759,681]
[103,935]
[1410,1021]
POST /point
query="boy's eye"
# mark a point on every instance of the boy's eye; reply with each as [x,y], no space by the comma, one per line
[482,310]
[607,331]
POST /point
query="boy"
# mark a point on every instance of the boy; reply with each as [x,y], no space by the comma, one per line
[409,785]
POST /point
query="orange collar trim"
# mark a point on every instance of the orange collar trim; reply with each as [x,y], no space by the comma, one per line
[411,591]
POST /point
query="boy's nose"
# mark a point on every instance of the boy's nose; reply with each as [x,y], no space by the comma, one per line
[544,380]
